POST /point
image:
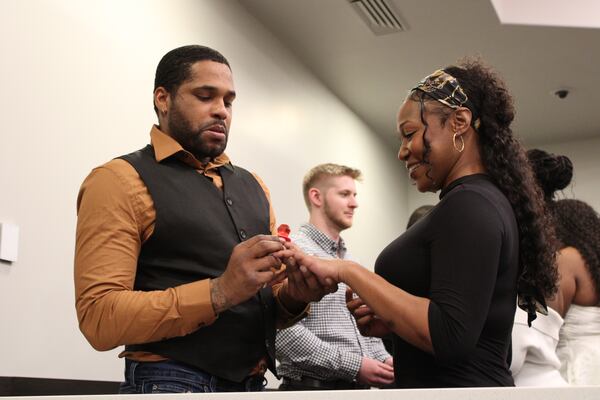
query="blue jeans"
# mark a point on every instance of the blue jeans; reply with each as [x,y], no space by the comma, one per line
[174,377]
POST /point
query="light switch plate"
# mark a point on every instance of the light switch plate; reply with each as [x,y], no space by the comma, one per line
[9,242]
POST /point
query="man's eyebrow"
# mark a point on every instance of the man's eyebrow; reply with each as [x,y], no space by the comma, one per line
[230,93]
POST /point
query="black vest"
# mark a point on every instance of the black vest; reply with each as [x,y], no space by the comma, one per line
[197,226]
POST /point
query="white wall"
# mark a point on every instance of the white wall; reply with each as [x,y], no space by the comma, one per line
[76,79]
[586,169]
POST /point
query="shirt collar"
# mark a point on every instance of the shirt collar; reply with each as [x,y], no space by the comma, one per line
[165,146]
[333,248]
[463,179]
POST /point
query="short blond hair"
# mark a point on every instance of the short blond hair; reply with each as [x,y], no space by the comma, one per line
[317,175]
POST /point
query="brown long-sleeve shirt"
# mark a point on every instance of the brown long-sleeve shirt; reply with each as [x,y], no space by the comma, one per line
[116,216]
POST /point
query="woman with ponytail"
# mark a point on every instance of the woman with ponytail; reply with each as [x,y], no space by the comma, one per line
[447,288]
[534,358]
[575,350]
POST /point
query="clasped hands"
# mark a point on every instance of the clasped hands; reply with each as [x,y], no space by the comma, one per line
[328,274]
[257,262]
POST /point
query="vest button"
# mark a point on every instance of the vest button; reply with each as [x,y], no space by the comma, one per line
[229,201]
[243,234]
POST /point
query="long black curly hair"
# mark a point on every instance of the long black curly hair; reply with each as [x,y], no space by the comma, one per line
[578,226]
[505,161]
[577,223]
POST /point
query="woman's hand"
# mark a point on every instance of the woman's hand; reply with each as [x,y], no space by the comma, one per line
[367,322]
[326,271]
[302,285]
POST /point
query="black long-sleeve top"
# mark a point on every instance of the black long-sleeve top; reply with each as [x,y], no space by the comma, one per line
[464,257]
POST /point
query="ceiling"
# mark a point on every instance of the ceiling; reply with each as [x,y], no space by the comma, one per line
[371,74]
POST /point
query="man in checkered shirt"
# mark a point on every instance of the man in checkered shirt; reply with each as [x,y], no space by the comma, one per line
[326,350]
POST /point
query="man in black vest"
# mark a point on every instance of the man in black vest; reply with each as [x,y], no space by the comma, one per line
[174,255]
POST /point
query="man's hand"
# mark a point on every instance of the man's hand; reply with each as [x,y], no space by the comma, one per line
[375,373]
[367,322]
[302,286]
[251,266]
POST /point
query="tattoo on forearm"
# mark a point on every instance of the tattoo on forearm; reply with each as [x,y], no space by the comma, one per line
[219,301]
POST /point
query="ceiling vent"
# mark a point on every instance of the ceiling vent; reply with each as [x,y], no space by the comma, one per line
[379,16]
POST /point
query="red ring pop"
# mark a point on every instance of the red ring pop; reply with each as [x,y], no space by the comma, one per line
[283,231]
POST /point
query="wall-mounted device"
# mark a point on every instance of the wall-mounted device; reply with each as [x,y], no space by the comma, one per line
[9,242]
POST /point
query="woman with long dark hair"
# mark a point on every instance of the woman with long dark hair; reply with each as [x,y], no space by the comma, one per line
[534,358]
[578,259]
[447,287]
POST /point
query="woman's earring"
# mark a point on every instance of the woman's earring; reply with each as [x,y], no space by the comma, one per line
[462,143]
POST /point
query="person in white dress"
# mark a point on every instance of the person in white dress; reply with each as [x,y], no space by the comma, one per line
[578,228]
[534,358]
[540,356]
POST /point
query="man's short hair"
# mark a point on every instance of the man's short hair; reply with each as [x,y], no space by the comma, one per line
[174,68]
[322,172]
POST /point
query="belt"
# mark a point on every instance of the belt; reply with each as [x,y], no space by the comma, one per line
[324,385]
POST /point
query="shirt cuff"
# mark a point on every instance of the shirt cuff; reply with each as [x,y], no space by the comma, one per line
[285,318]
[195,304]
[381,354]
[351,363]
[382,357]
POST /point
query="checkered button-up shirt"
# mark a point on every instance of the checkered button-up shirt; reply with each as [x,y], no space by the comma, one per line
[325,345]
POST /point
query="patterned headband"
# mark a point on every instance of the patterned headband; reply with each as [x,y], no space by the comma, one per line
[443,87]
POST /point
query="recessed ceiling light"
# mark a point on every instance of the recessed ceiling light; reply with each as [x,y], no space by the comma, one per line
[572,13]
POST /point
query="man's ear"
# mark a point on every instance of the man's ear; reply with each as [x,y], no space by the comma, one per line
[462,120]
[314,195]
[161,100]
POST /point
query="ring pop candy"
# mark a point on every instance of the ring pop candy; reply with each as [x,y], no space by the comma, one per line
[283,231]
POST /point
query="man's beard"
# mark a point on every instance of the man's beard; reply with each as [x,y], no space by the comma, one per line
[192,140]
[340,223]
